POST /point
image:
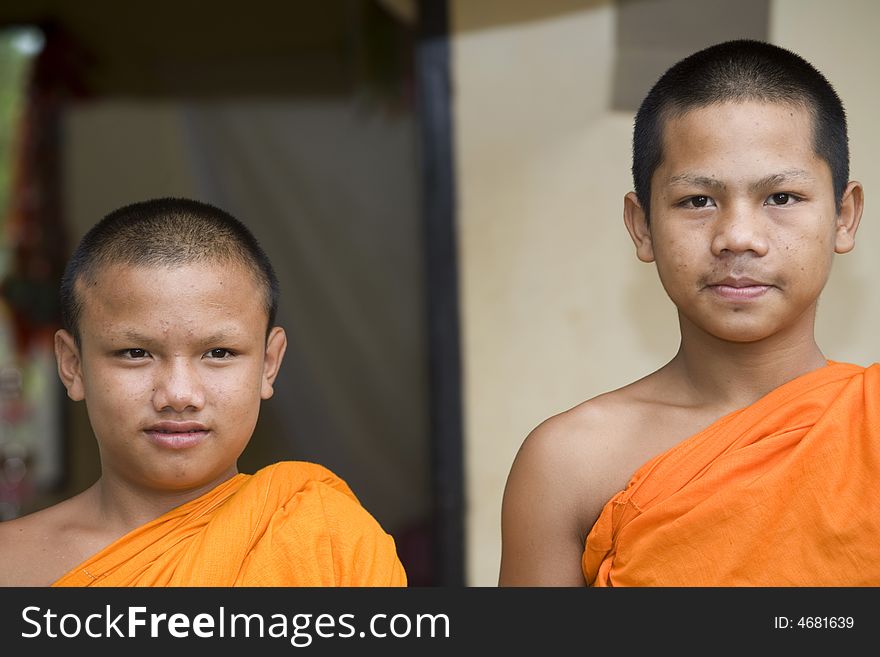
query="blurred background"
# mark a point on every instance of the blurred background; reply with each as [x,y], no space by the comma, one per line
[439,184]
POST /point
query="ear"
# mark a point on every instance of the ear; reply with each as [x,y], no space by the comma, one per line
[69,360]
[276,345]
[847,222]
[637,225]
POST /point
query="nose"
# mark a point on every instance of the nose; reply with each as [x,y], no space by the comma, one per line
[178,387]
[739,230]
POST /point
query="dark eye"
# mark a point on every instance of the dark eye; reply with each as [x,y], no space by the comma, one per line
[780,199]
[699,201]
[136,353]
[219,353]
[783,199]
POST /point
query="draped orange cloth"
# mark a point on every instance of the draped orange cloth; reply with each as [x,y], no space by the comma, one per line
[785,492]
[290,524]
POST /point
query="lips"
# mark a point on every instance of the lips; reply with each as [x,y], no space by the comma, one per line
[177,435]
[739,289]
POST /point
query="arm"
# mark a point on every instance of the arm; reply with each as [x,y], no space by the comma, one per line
[544,511]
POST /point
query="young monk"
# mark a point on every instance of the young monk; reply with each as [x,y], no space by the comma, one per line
[170,339]
[749,459]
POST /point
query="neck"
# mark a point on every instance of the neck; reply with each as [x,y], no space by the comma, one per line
[121,506]
[735,374]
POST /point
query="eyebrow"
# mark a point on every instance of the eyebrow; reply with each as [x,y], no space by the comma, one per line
[137,337]
[789,175]
[697,181]
[133,336]
[220,336]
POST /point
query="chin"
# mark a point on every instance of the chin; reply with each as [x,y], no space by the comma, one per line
[741,334]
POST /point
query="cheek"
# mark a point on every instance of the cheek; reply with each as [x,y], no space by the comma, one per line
[234,390]
[814,247]
[235,409]
[114,389]
[675,257]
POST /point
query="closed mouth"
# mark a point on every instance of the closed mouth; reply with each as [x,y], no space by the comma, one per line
[739,282]
[739,290]
[177,435]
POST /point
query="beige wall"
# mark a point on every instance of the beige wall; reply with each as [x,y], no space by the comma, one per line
[555,306]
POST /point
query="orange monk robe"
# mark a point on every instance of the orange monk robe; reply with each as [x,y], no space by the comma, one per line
[785,492]
[290,524]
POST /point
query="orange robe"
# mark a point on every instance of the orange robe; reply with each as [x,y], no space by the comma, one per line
[290,524]
[785,492]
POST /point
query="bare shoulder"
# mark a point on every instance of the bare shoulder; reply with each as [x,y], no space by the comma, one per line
[592,450]
[572,464]
[38,548]
[565,471]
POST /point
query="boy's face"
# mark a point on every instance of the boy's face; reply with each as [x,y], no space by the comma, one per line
[173,364]
[743,222]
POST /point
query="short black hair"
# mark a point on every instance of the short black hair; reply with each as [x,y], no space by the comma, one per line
[164,232]
[737,71]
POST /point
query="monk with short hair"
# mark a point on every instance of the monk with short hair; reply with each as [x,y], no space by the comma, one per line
[750,458]
[170,339]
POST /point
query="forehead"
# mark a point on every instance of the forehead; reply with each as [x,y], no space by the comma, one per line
[745,116]
[739,135]
[207,291]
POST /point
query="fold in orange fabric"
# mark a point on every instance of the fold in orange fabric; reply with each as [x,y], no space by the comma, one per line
[290,524]
[785,492]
